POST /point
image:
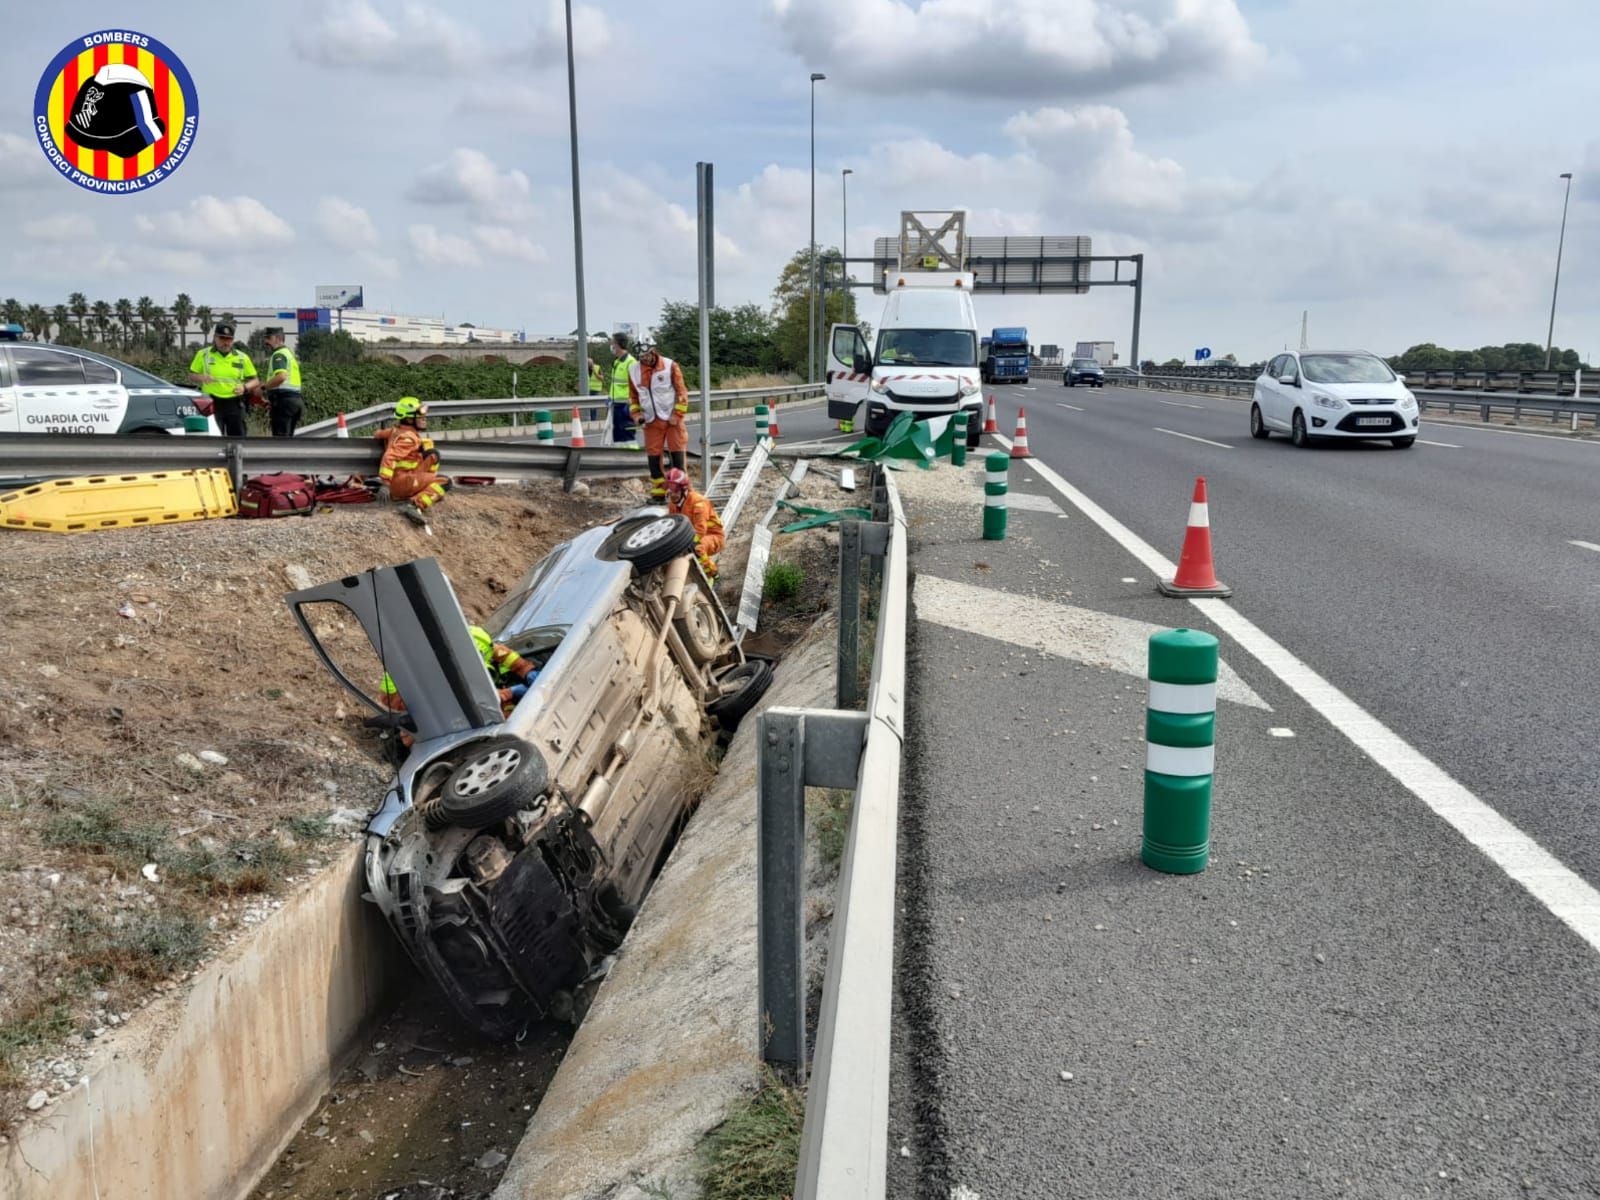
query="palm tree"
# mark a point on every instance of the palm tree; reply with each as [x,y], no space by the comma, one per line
[182,310]
[37,321]
[202,318]
[146,308]
[163,325]
[79,304]
[102,319]
[58,318]
[125,319]
[13,311]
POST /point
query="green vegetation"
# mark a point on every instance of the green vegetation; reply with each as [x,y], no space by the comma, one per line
[829,813]
[40,1024]
[754,1154]
[782,581]
[147,946]
[1513,356]
[309,828]
[102,827]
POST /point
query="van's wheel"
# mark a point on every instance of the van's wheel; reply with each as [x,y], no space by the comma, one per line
[975,430]
[497,779]
[651,542]
[742,689]
[698,626]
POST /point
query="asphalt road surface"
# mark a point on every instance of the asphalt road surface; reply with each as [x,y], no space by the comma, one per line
[1370,991]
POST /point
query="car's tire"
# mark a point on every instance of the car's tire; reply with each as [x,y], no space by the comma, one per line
[1297,430]
[1258,427]
[1066,380]
[746,684]
[497,779]
[650,542]
[1402,443]
[698,626]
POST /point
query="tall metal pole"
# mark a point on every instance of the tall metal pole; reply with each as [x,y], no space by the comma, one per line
[844,228]
[577,214]
[811,252]
[707,235]
[1549,337]
[1138,306]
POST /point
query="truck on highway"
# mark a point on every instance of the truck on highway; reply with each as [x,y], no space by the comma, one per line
[1006,355]
[925,361]
[1104,353]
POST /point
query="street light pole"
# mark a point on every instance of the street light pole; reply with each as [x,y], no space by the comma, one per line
[811,265]
[1549,337]
[844,231]
[577,214]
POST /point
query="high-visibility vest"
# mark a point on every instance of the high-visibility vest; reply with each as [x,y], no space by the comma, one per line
[657,397]
[619,377]
[225,369]
[283,359]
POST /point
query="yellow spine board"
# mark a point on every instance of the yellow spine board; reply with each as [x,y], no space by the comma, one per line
[119,501]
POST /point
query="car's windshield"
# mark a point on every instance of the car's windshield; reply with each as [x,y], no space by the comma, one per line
[1079,363]
[928,347]
[1345,368]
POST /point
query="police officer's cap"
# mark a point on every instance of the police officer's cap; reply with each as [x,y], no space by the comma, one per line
[272,331]
[223,329]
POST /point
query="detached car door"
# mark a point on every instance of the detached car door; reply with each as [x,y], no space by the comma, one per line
[57,391]
[849,372]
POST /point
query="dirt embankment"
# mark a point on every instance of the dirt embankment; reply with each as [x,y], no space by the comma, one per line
[172,756]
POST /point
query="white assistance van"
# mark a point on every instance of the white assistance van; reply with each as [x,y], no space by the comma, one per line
[926,358]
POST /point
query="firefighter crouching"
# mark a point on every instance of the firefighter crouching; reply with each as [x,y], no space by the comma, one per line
[702,514]
[410,466]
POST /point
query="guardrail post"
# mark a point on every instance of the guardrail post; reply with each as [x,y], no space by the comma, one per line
[1483,411]
[569,474]
[235,459]
[849,612]
[780,864]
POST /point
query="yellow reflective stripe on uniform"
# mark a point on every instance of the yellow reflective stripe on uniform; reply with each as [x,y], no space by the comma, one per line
[386,472]
[387,687]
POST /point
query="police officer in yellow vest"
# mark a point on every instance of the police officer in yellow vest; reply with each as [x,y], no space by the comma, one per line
[623,432]
[227,377]
[285,406]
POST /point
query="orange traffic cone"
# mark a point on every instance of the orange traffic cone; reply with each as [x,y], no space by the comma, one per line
[990,425]
[577,431]
[1196,575]
[772,425]
[343,430]
[1019,444]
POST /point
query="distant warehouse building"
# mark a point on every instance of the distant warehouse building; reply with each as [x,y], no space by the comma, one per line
[367,325]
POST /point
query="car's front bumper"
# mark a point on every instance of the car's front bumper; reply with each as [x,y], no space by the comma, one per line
[1363,421]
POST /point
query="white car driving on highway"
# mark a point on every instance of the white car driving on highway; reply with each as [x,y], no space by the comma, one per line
[1316,394]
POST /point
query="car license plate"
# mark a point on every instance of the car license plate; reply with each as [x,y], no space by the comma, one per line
[1384,421]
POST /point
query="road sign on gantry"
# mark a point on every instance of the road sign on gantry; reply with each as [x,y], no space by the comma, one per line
[1040,265]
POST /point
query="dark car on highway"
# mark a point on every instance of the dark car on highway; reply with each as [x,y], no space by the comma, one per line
[1085,371]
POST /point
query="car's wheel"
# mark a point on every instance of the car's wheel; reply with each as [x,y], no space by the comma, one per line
[1258,427]
[698,626]
[650,542]
[742,688]
[1067,380]
[498,778]
[1402,443]
[974,429]
[1297,430]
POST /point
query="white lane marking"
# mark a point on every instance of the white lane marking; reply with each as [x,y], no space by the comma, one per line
[1546,878]
[1192,438]
[1178,404]
[1441,445]
[1083,635]
[1073,407]
[1129,579]
[1033,502]
[1585,546]
[1545,437]
[1279,731]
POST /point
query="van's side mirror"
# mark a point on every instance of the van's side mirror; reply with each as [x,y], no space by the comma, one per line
[862,364]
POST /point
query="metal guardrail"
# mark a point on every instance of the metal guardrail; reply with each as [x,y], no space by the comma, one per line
[42,455]
[527,405]
[844,1143]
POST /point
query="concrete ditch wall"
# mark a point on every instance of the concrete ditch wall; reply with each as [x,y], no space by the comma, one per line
[196,1097]
[669,1046]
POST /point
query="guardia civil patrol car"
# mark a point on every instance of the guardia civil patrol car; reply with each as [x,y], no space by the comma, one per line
[60,389]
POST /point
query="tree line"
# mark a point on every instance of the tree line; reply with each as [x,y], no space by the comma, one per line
[1513,356]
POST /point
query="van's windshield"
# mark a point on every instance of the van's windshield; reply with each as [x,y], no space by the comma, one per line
[928,347]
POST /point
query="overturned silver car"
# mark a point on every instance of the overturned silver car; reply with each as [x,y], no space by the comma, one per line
[512,849]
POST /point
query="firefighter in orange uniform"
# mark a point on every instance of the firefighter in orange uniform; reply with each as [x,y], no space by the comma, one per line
[702,514]
[410,466]
[658,400]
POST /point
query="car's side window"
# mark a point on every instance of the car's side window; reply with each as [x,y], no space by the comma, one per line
[1275,367]
[98,372]
[46,368]
[1291,366]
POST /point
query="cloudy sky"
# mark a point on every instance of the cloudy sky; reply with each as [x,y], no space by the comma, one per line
[1390,166]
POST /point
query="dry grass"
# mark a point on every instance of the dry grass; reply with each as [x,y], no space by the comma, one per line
[754,1154]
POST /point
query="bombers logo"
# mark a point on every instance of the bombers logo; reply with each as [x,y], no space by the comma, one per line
[116,111]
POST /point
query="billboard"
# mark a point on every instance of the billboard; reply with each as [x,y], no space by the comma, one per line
[338,295]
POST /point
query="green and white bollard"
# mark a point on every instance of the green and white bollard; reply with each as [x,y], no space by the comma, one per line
[994,497]
[958,449]
[546,431]
[761,422]
[1180,751]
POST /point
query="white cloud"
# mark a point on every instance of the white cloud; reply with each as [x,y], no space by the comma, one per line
[214,224]
[353,33]
[442,249]
[346,224]
[469,177]
[63,227]
[591,34]
[500,242]
[1038,48]
[22,163]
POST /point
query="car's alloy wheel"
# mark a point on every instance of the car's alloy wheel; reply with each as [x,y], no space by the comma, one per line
[650,542]
[497,778]
[698,627]
[647,535]
[1258,427]
[1298,434]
